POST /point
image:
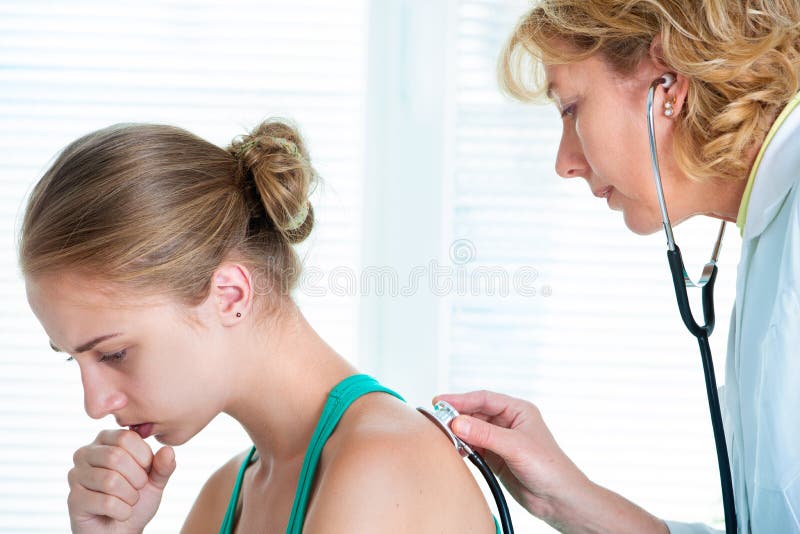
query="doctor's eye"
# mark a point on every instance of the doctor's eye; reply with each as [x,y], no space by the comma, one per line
[70,359]
[568,111]
[112,357]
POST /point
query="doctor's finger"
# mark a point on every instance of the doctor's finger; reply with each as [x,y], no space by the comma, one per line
[501,409]
[498,440]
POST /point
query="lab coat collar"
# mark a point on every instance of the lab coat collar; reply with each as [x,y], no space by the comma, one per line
[778,173]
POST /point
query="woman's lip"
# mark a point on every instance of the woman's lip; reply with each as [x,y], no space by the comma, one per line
[603,193]
[143,429]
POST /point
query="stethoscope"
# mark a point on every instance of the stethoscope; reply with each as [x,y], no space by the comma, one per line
[681,281]
[443,414]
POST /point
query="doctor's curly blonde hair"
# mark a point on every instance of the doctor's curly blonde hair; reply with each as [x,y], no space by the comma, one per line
[741,58]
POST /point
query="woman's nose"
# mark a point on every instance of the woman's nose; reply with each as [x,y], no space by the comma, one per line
[101,396]
[570,161]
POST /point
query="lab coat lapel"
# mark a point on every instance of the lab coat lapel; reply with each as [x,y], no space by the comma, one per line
[775,177]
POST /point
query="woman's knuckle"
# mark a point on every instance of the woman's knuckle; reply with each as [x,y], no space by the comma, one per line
[108,480]
[125,511]
[127,438]
[108,502]
[115,456]
[72,475]
[72,501]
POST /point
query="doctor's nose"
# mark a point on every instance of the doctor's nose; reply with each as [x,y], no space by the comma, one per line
[570,162]
[101,396]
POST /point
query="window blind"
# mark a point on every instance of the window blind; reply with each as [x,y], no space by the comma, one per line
[216,69]
[599,347]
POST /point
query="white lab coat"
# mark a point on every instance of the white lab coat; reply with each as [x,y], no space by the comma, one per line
[761,396]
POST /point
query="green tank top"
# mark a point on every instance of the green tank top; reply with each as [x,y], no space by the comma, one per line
[339,400]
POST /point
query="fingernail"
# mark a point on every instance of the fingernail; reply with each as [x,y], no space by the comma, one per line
[461,426]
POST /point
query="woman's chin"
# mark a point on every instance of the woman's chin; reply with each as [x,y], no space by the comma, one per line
[641,224]
[173,439]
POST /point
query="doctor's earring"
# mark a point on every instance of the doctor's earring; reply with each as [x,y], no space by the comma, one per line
[668,107]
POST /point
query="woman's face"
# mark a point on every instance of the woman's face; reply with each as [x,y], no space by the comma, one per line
[146,361]
[604,139]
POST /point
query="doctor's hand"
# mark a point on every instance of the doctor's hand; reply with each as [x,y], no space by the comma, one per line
[518,446]
[521,450]
[116,484]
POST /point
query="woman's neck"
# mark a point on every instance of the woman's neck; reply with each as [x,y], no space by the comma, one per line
[286,373]
[721,198]
[724,198]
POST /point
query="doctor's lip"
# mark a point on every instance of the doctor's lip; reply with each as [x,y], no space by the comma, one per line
[602,193]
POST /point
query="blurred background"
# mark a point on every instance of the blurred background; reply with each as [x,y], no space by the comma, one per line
[447,254]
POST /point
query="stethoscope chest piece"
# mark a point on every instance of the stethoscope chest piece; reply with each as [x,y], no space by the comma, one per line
[442,415]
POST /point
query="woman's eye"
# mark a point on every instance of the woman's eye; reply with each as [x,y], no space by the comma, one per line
[568,111]
[70,359]
[113,356]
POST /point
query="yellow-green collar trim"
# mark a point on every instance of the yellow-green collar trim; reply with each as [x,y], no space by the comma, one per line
[787,110]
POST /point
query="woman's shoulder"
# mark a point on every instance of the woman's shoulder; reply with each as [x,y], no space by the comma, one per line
[388,465]
[211,504]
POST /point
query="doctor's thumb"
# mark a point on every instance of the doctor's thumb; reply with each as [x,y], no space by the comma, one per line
[163,467]
[481,434]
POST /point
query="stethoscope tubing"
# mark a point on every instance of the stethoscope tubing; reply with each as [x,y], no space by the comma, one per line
[442,415]
[497,492]
[681,281]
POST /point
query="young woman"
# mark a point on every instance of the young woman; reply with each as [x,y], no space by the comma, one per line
[162,265]
[728,132]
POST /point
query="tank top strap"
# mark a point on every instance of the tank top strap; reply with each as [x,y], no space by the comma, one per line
[230,514]
[339,400]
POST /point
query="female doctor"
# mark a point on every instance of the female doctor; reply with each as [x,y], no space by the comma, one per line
[729,148]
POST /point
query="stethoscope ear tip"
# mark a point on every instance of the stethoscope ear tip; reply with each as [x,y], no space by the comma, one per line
[667,79]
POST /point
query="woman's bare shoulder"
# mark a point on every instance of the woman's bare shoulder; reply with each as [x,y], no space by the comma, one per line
[209,508]
[392,470]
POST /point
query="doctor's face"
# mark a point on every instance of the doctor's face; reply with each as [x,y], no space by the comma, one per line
[147,361]
[604,138]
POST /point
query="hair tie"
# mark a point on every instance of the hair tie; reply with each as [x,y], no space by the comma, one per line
[298,220]
[284,143]
[287,145]
[244,147]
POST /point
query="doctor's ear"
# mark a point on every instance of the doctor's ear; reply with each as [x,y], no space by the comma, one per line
[671,96]
[232,292]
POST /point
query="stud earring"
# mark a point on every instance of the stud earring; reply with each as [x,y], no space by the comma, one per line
[668,109]
[238,314]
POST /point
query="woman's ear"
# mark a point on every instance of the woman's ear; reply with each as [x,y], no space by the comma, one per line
[671,100]
[232,292]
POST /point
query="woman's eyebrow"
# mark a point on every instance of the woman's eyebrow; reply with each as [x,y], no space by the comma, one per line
[89,345]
